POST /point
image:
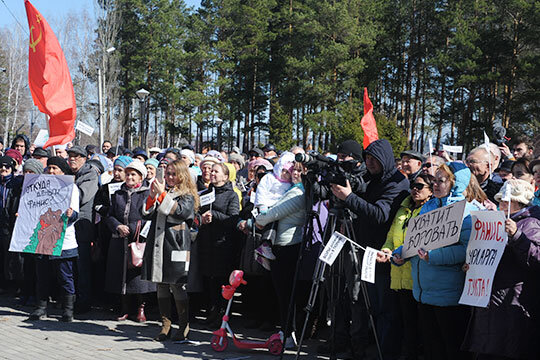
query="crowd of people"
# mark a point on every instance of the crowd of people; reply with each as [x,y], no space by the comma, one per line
[137,230]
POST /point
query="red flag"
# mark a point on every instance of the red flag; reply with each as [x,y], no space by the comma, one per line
[49,79]
[368,122]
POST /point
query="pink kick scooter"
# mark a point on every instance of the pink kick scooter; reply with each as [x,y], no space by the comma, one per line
[219,341]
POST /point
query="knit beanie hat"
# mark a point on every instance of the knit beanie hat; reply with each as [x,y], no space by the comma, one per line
[123,161]
[60,162]
[138,166]
[237,158]
[33,165]
[8,161]
[152,162]
[189,154]
[521,191]
[15,155]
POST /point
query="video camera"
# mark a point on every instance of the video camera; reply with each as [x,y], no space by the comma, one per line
[331,171]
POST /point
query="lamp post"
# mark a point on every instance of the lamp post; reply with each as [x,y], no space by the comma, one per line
[218,122]
[101,85]
[142,94]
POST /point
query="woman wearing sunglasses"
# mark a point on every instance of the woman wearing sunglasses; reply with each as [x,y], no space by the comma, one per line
[401,278]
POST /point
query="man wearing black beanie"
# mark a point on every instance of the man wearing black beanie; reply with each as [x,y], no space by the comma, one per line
[60,163]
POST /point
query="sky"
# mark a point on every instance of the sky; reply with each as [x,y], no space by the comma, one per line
[49,8]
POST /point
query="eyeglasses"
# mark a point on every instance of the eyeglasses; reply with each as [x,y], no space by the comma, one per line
[474,161]
[427,165]
[5,166]
[418,186]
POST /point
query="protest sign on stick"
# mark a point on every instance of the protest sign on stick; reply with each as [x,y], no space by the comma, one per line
[368,265]
[209,198]
[435,229]
[41,222]
[484,251]
[453,149]
[333,247]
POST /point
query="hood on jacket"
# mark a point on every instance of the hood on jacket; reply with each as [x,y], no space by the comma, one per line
[463,177]
[284,159]
[382,151]
[531,211]
[232,172]
[26,143]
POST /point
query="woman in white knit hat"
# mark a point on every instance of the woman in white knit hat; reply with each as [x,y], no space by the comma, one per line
[508,328]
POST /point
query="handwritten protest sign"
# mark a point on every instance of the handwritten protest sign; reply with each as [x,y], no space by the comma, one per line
[42,137]
[41,225]
[114,187]
[332,248]
[484,251]
[435,229]
[209,198]
[84,128]
[368,265]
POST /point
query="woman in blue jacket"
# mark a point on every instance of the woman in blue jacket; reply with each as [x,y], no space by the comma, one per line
[437,275]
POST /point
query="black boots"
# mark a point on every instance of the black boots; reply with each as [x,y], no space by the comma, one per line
[183,320]
[40,312]
[67,306]
[164,305]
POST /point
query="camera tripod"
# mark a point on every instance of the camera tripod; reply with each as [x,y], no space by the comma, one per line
[337,217]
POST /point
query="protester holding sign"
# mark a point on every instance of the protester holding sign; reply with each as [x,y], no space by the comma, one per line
[171,207]
[437,275]
[215,241]
[508,328]
[125,222]
[10,192]
[401,278]
[60,267]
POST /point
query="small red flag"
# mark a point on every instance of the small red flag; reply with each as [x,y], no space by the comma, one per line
[368,122]
[49,79]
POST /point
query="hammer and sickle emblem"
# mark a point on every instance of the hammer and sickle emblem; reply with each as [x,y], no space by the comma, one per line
[33,43]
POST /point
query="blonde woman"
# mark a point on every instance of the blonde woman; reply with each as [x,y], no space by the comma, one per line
[171,207]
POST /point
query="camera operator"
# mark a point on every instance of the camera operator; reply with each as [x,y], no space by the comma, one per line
[374,209]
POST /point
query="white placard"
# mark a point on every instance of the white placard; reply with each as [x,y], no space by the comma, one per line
[486,141]
[484,251]
[368,265]
[41,138]
[430,143]
[255,212]
[252,197]
[41,224]
[332,248]
[145,229]
[84,128]
[453,149]
[114,187]
[209,198]
[435,229]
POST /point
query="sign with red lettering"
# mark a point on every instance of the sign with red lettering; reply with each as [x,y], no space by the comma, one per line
[484,251]
[434,229]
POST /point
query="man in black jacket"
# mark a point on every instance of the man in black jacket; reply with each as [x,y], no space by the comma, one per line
[374,209]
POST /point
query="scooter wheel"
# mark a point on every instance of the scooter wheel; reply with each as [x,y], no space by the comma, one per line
[275,347]
[216,345]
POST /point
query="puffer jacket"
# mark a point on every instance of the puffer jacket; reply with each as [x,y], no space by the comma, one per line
[401,277]
[440,281]
[291,214]
[87,180]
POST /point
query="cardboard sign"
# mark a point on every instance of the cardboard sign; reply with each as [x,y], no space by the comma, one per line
[333,247]
[368,265]
[209,198]
[84,128]
[41,225]
[484,251]
[41,138]
[453,149]
[435,229]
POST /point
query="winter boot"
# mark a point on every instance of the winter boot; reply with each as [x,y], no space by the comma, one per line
[40,312]
[183,323]
[67,313]
[164,305]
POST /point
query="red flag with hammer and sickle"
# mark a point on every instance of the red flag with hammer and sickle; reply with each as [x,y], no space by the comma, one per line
[49,79]
[368,122]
